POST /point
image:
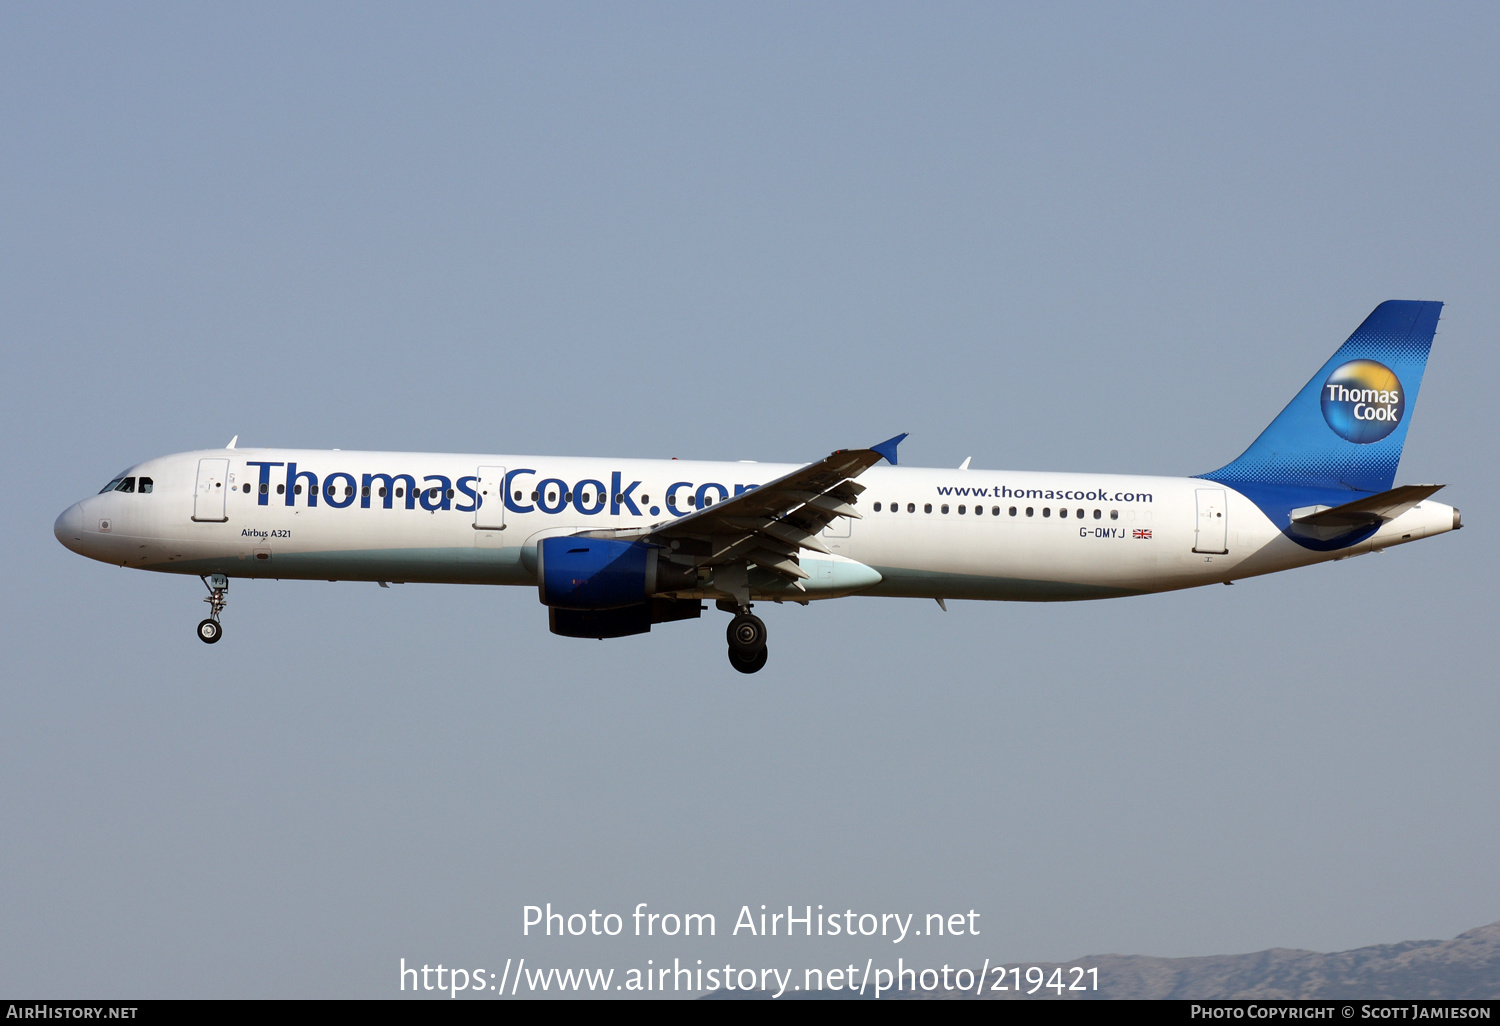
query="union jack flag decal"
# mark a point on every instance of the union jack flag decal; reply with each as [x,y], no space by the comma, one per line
[1139,533]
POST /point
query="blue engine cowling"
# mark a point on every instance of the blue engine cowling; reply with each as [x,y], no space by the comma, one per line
[593,574]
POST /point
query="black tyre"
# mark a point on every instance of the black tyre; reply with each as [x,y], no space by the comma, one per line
[750,664]
[209,631]
[746,634]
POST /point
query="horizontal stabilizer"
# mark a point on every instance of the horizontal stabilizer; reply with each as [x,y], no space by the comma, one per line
[1372,509]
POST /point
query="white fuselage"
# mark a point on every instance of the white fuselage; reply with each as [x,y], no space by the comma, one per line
[923,532]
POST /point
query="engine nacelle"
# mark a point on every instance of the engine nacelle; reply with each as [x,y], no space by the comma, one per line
[594,573]
[601,624]
[619,623]
[605,588]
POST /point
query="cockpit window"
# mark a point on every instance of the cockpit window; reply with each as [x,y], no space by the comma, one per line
[127,485]
[111,486]
[146,485]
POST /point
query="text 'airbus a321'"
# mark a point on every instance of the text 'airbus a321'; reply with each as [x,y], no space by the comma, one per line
[614,546]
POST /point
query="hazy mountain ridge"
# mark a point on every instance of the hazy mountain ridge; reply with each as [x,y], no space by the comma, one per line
[1468,966]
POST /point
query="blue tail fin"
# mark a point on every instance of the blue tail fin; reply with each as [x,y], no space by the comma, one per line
[1344,431]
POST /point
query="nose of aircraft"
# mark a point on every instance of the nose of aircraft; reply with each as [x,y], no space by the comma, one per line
[69,526]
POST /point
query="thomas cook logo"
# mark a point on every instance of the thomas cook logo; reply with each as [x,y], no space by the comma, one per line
[1363,401]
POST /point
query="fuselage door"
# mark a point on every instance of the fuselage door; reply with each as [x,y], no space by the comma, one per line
[1213,525]
[208,500]
[489,517]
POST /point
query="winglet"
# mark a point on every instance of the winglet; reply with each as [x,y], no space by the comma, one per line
[887,448]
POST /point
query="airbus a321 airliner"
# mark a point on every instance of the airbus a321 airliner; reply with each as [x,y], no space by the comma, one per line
[614,546]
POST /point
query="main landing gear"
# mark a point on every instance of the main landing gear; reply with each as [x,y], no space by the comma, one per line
[210,631]
[747,641]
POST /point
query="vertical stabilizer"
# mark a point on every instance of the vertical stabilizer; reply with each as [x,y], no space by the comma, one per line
[1345,429]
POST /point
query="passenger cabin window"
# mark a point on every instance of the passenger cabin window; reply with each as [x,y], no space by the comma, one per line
[1098,513]
[927,507]
[961,510]
[1046,511]
[911,507]
[877,507]
[945,508]
[1063,513]
[1030,510]
[1114,514]
[246,489]
[1012,511]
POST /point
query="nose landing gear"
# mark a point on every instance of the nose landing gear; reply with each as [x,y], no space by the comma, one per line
[210,631]
[747,641]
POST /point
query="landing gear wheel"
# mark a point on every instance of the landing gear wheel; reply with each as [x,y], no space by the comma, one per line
[747,636]
[209,631]
[750,664]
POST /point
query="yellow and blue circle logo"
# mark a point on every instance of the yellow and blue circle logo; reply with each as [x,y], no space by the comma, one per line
[1363,401]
